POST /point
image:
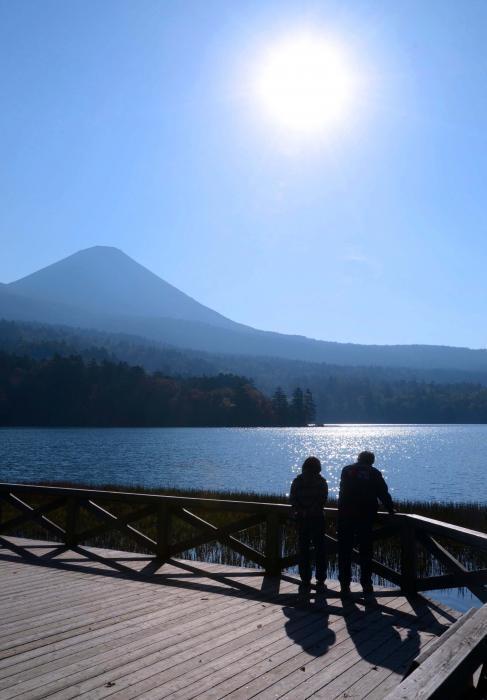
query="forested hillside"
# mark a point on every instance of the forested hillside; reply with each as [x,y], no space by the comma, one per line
[45,340]
[341,394]
[67,391]
[42,341]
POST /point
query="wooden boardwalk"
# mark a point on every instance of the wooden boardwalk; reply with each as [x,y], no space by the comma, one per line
[73,628]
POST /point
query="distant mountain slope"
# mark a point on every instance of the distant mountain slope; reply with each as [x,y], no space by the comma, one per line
[19,307]
[45,340]
[105,281]
[103,289]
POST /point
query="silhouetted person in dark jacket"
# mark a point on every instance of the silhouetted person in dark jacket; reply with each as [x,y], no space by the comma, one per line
[361,487]
[309,492]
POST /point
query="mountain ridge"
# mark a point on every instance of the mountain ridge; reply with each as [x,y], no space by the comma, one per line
[103,288]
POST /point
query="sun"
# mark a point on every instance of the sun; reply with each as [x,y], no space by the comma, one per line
[305,84]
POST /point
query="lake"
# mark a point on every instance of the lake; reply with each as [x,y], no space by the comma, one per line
[424,462]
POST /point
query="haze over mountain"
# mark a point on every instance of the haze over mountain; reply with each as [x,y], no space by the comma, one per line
[103,280]
[104,289]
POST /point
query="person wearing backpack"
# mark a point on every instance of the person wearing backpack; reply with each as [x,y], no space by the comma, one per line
[361,487]
[309,492]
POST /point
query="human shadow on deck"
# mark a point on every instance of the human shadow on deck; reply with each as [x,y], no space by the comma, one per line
[308,629]
[373,629]
[388,637]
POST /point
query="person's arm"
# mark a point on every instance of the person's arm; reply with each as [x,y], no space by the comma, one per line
[383,494]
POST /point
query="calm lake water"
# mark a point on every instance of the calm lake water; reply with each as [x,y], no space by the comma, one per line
[426,462]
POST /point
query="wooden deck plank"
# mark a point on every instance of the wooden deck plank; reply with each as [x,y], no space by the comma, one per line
[76,629]
[75,600]
[190,610]
[77,590]
[361,652]
[220,625]
[212,668]
[148,633]
[193,630]
[378,683]
[261,683]
[357,679]
[286,670]
[157,616]
[243,657]
[143,607]
[254,673]
[191,600]
[444,673]
[108,665]
[68,619]
[73,627]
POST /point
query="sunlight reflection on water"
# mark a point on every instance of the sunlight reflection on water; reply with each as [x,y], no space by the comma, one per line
[428,462]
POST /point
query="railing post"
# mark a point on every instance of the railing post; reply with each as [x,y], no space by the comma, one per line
[163,526]
[72,507]
[273,545]
[408,558]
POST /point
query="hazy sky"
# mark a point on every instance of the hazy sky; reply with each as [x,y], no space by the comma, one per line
[135,124]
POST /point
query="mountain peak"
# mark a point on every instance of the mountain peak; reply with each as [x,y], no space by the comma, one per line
[105,280]
[98,253]
[100,250]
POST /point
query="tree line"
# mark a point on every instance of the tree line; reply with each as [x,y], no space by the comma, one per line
[340,394]
[71,391]
[364,400]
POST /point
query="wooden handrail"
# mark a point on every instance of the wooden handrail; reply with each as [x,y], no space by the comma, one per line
[190,501]
[454,532]
[413,531]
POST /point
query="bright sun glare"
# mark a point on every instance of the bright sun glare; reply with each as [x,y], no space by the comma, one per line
[305,84]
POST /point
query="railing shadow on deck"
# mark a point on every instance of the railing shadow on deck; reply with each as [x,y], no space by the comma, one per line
[76,517]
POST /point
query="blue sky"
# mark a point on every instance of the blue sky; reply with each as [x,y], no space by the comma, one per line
[131,124]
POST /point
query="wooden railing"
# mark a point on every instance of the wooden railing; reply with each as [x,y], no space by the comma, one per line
[73,517]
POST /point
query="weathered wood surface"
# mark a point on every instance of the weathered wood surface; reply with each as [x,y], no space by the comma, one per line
[439,641]
[447,671]
[75,628]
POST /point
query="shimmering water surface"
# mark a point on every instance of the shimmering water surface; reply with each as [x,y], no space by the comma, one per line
[426,462]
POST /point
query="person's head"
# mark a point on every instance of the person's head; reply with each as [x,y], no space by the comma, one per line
[366,457]
[311,465]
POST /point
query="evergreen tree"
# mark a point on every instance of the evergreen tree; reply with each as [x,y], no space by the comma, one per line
[280,406]
[297,407]
[309,407]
